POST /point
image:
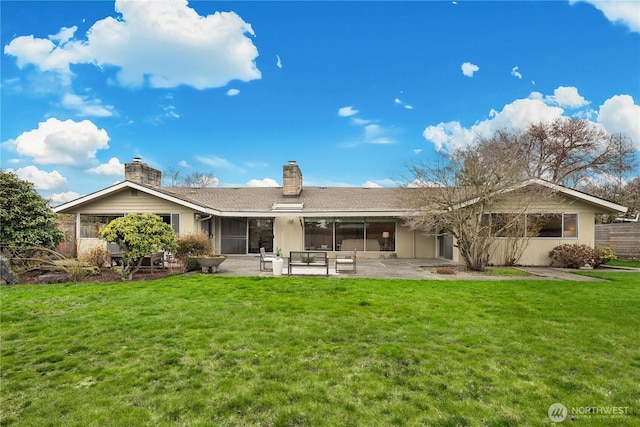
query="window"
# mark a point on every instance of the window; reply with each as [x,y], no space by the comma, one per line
[381,236]
[318,234]
[507,225]
[90,225]
[260,235]
[552,225]
[173,220]
[348,235]
[570,227]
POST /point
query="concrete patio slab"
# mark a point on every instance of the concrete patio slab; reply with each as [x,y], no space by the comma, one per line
[393,268]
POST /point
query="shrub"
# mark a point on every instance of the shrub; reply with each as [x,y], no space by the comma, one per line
[96,257]
[140,235]
[193,244]
[190,245]
[575,256]
[606,254]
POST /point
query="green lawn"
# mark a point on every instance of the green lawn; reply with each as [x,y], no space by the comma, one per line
[297,351]
[624,263]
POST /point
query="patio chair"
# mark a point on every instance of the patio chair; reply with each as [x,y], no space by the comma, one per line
[265,258]
[348,262]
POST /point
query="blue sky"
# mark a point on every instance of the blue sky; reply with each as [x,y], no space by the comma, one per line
[353,91]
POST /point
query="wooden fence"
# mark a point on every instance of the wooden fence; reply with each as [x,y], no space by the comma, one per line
[623,238]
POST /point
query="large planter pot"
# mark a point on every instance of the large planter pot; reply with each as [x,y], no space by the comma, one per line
[209,264]
[278,265]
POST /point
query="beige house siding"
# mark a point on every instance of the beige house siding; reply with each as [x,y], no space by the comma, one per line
[288,234]
[133,201]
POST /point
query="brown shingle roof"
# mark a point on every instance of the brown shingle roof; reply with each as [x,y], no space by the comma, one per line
[314,199]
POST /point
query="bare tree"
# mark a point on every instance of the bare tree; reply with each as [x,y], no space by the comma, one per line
[625,193]
[173,178]
[566,151]
[201,180]
[462,193]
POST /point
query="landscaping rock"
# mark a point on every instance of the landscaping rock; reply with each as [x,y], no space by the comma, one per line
[445,271]
[54,278]
[6,274]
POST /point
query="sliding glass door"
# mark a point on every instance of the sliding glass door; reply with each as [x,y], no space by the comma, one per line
[240,236]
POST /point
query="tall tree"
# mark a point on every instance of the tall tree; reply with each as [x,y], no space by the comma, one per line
[173,178]
[26,218]
[565,151]
[625,193]
[460,193]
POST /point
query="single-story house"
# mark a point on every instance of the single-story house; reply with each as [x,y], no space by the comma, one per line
[240,221]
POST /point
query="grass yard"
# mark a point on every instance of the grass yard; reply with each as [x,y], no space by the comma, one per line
[624,263]
[298,351]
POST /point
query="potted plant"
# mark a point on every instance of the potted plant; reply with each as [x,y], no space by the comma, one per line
[209,263]
[308,258]
[278,263]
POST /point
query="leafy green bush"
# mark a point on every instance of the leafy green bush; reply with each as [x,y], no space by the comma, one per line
[575,256]
[96,257]
[606,253]
[140,235]
[26,218]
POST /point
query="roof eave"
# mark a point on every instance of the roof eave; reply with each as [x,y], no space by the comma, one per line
[66,207]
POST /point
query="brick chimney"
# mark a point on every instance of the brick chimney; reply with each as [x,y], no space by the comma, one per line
[142,173]
[291,179]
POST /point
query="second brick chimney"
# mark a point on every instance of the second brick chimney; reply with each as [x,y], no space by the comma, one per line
[291,179]
[142,173]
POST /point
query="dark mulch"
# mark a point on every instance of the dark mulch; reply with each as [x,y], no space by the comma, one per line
[106,275]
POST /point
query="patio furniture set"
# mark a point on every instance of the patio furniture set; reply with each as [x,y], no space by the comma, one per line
[311,259]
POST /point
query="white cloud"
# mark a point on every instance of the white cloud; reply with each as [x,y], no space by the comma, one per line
[372,133]
[567,97]
[398,101]
[42,180]
[233,92]
[621,114]
[162,43]
[64,35]
[360,122]
[517,115]
[265,182]
[376,134]
[278,61]
[515,72]
[621,12]
[347,111]
[62,142]
[112,168]
[59,198]
[468,69]
[85,106]
[371,184]
[42,53]
[183,164]
[217,162]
